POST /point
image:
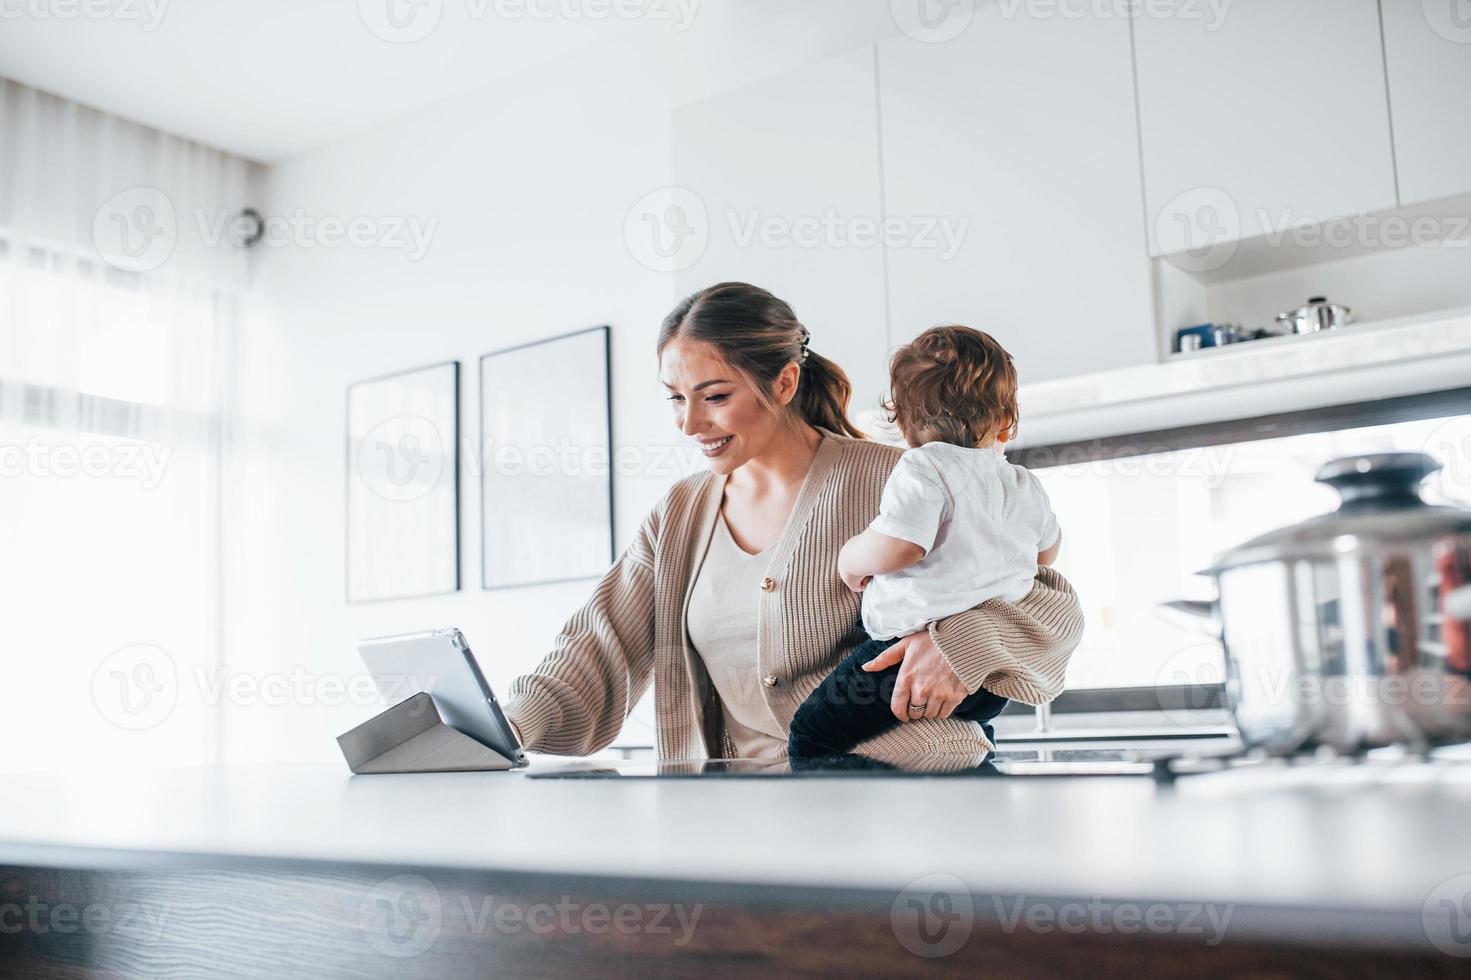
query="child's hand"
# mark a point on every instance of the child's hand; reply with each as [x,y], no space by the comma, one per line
[853,579]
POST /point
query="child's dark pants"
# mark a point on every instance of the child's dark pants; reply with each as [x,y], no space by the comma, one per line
[852,705]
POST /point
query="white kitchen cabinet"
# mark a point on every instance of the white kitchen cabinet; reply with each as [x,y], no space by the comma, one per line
[1273,114]
[1023,130]
[785,172]
[1427,48]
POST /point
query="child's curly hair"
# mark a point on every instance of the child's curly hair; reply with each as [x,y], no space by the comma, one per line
[952,384]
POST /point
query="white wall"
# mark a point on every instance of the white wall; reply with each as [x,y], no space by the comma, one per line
[530,195]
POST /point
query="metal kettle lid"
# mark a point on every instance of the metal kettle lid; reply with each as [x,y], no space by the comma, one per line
[1379,501]
[1314,303]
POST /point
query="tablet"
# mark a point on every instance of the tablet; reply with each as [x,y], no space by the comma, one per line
[439,663]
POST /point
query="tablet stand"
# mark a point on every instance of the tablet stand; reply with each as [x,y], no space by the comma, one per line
[411,737]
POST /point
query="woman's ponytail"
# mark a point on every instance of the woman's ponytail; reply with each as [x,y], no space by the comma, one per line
[759,335]
[823,395]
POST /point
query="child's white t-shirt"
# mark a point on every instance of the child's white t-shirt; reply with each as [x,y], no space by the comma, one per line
[982,521]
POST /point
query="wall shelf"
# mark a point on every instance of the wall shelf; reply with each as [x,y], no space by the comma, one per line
[1409,355]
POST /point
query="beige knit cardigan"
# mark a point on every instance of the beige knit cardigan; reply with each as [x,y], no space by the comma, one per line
[632,630]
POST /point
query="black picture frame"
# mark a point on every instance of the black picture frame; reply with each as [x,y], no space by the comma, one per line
[587,562]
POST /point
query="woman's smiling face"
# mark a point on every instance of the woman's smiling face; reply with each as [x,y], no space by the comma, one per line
[717,406]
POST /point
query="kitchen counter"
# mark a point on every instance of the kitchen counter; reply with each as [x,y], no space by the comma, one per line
[1343,854]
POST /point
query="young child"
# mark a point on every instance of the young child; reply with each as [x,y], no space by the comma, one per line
[958,525]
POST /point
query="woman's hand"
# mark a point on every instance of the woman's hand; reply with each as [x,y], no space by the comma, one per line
[924,678]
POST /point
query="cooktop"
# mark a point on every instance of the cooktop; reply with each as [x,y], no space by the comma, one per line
[1162,762]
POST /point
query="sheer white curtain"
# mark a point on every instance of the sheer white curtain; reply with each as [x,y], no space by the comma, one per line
[120,291]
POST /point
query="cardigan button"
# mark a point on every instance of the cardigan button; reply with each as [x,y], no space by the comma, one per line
[768,585]
[770,680]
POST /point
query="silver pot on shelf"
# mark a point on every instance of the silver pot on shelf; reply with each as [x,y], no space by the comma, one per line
[1351,630]
[1318,314]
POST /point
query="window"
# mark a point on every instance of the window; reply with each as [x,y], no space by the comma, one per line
[1143,514]
[108,486]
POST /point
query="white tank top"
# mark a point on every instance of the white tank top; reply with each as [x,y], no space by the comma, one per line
[722,629]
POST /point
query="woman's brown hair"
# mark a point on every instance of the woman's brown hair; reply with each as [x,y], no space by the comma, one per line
[758,335]
[952,384]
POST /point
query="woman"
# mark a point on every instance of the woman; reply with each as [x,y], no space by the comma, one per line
[729,600]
